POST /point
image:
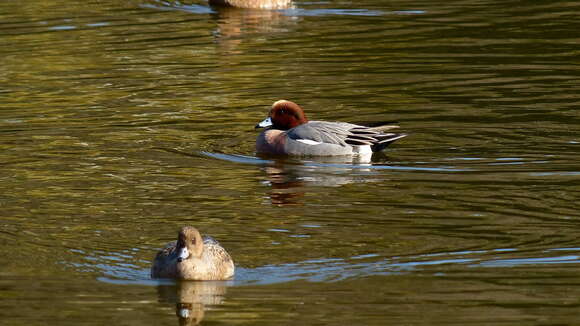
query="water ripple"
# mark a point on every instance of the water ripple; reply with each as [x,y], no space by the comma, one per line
[336,269]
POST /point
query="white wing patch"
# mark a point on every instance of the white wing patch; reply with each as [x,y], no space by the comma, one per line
[309,141]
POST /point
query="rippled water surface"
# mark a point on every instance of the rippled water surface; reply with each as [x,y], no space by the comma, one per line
[121,121]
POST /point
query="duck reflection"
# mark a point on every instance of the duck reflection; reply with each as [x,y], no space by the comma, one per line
[234,23]
[285,185]
[254,4]
[289,177]
[192,298]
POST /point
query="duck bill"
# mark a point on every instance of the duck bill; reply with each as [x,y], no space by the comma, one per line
[182,254]
[265,123]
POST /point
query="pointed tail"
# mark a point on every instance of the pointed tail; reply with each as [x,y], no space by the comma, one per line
[385,140]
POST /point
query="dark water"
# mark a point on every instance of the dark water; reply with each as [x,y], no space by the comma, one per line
[121,121]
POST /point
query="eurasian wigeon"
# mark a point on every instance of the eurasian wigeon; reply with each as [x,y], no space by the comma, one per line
[256,4]
[288,132]
[192,257]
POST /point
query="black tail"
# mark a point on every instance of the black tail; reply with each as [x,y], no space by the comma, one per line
[385,140]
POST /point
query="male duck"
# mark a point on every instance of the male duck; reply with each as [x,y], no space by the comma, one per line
[192,257]
[256,4]
[288,132]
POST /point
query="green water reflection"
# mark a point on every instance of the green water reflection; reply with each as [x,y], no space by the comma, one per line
[121,121]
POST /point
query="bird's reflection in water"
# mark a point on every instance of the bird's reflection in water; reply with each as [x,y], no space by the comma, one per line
[284,185]
[192,298]
[235,23]
[290,178]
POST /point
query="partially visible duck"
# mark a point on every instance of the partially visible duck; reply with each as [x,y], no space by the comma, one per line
[256,4]
[288,132]
[192,257]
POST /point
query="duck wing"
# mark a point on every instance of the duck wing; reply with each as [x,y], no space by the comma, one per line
[209,240]
[164,262]
[322,132]
[344,134]
[375,137]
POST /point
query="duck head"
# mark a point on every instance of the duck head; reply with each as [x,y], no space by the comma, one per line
[284,115]
[189,243]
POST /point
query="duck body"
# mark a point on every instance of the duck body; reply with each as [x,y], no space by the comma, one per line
[288,132]
[255,4]
[193,257]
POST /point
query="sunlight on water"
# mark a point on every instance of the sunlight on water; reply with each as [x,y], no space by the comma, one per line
[123,121]
[309,163]
[335,269]
[197,9]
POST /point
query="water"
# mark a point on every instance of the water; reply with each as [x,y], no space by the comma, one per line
[121,121]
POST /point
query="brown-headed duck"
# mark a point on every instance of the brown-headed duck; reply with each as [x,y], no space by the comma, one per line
[192,257]
[288,132]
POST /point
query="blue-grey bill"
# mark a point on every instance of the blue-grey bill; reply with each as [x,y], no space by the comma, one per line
[182,254]
[265,123]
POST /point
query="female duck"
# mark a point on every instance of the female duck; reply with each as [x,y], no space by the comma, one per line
[256,4]
[192,257]
[288,132]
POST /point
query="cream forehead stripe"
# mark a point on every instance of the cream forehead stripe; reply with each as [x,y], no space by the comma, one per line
[279,102]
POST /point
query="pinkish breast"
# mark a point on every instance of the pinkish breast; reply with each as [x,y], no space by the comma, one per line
[271,141]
